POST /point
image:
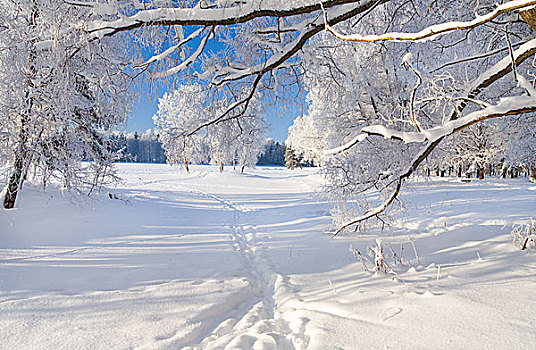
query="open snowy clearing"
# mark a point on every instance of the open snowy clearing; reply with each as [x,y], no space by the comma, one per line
[241,261]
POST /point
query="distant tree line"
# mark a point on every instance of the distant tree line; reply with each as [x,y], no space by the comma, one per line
[146,148]
[273,154]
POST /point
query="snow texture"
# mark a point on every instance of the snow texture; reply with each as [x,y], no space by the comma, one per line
[240,261]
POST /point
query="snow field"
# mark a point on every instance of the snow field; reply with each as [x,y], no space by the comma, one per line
[240,261]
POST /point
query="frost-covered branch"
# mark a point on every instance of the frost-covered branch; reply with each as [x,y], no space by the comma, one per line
[309,29]
[169,51]
[189,60]
[504,108]
[413,92]
[514,105]
[475,57]
[437,29]
[227,114]
[210,16]
[373,211]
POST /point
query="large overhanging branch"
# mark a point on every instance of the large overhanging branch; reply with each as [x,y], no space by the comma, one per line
[506,107]
[341,10]
[309,29]
[437,29]
[278,60]
[210,16]
[496,72]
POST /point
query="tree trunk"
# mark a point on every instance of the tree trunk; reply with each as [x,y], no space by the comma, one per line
[221,166]
[186,164]
[243,167]
[480,173]
[16,179]
[22,155]
[504,172]
[532,173]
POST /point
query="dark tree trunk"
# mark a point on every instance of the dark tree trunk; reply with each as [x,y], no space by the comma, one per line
[16,180]
[480,173]
[504,172]
[22,155]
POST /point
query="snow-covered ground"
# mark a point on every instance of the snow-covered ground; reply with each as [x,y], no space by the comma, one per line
[211,261]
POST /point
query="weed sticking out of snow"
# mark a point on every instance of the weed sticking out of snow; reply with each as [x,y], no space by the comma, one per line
[383,260]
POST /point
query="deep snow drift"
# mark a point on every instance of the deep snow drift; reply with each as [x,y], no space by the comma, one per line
[210,261]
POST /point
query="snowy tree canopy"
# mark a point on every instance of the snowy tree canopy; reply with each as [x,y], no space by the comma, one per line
[60,92]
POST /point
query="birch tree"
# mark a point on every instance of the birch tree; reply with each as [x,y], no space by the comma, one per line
[58,93]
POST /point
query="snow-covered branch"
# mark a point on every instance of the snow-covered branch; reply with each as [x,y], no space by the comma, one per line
[373,211]
[228,113]
[506,107]
[432,137]
[309,29]
[437,29]
[189,60]
[210,16]
[169,51]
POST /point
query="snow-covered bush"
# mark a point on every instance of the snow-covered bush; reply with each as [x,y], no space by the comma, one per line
[383,259]
[524,235]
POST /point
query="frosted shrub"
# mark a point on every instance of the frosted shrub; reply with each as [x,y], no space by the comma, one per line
[375,251]
[524,236]
[382,258]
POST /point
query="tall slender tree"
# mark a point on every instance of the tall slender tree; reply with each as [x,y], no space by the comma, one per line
[59,92]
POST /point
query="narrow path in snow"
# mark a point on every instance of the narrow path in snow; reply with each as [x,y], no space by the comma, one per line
[258,325]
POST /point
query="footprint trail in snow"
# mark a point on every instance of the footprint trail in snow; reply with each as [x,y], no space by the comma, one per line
[256,324]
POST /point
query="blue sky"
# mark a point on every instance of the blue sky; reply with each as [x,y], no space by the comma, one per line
[145,108]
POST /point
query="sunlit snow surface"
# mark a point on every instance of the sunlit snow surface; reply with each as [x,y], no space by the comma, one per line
[241,261]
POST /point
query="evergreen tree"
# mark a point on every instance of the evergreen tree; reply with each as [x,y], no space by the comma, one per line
[292,161]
